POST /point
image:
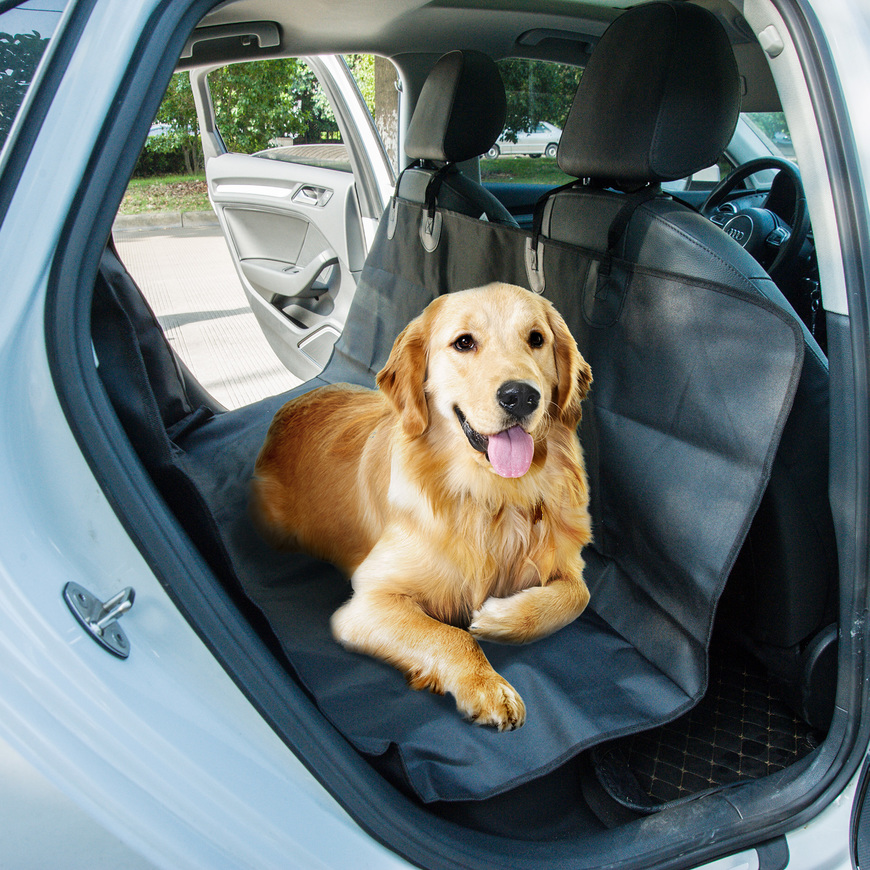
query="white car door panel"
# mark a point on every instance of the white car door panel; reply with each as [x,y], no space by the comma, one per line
[296,238]
[296,224]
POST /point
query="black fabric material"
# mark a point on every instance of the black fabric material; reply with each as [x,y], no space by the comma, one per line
[456,193]
[678,433]
[784,585]
[460,111]
[659,98]
[399,280]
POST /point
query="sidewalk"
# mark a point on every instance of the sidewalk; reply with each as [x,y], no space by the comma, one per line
[183,267]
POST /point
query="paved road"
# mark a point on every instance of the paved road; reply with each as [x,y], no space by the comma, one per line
[188,278]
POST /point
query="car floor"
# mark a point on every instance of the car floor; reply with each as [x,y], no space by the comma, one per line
[742,729]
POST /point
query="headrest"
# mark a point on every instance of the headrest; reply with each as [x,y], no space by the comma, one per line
[658,100]
[461,109]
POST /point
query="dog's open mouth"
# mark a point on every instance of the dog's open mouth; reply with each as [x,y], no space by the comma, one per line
[510,452]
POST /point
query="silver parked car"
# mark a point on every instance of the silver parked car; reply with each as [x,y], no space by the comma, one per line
[543,139]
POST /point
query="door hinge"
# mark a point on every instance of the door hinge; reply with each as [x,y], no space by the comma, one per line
[100,619]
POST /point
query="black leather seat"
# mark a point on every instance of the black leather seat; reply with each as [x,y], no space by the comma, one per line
[658,101]
[459,115]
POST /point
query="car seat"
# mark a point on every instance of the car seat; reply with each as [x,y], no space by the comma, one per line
[658,101]
[638,656]
[459,115]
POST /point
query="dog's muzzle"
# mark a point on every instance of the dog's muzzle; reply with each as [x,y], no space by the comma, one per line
[475,439]
[510,452]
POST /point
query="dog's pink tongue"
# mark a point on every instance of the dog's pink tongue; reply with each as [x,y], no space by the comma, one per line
[510,452]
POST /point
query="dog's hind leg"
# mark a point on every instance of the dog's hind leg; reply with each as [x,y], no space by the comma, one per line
[394,628]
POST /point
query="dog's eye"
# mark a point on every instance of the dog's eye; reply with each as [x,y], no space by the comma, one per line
[536,339]
[465,343]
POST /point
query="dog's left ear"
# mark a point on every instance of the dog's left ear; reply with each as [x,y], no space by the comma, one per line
[402,378]
[573,372]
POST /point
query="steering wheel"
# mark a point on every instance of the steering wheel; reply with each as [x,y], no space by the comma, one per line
[774,240]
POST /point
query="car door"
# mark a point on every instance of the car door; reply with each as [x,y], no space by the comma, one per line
[298,218]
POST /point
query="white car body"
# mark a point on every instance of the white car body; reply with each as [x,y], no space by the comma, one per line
[544,139]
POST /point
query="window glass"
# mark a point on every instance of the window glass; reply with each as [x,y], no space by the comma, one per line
[539,96]
[276,109]
[772,128]
[25,32]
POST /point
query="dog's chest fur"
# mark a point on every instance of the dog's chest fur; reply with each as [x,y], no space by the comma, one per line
[476,551]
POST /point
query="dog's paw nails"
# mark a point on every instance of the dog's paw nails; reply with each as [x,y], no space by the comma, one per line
[496,703]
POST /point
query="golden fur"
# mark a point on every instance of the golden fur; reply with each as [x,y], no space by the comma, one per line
[440,549]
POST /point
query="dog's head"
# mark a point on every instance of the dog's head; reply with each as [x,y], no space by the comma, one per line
[497,363]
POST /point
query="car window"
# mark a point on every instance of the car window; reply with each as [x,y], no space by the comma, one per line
[774,138]
[25,32]
[539,96]
[773,130]
[276,109]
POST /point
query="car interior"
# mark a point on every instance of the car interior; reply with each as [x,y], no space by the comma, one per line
[697,692]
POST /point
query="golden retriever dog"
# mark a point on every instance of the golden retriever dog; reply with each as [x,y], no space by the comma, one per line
[454,496]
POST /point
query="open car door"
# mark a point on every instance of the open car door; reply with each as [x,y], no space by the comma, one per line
[298,219]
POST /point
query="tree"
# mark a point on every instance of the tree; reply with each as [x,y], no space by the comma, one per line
[258,102]
[19,56]
[177,118]
[255,103]
[537,91]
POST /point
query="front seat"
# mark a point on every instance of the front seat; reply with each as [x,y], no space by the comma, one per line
[658,101]
[459,115]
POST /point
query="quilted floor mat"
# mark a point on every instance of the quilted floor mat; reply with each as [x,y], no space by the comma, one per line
[742,730]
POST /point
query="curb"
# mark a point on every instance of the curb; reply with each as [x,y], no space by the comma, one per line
[165,220]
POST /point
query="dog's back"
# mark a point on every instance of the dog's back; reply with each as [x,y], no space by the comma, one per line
[318,478]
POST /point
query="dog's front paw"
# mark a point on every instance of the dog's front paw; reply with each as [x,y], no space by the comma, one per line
[491,700]
[506,620]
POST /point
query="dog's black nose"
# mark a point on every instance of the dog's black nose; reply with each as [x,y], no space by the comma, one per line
[518,398]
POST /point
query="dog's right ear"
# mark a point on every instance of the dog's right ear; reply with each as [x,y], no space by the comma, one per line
[402,378]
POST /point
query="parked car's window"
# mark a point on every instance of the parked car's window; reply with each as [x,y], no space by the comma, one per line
[272,107]
[539,96]
[277,110]
[25,32]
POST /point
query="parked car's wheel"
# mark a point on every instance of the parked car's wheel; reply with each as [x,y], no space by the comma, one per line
[551,149]
[493,152]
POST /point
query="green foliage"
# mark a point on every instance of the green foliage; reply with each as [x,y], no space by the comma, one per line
[362,67]
[255,103]
[258,102]
[770,123]
[537,91]
[179,132]
[19,56]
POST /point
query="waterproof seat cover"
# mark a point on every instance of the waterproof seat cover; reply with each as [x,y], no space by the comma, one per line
[676,481]
[694,380]
[625,130]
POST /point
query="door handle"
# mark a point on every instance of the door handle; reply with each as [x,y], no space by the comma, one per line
[303,283]
[311,195]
